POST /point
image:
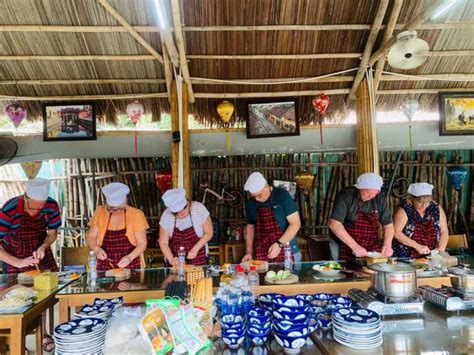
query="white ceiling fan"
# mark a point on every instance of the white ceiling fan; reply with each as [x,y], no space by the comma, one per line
[409,52]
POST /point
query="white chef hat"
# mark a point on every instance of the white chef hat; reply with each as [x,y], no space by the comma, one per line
[420,189]
[369,181]
[115,193]
[37,189]
[255,183]
[175,199]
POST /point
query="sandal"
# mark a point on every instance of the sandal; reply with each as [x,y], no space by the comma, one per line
[48,343]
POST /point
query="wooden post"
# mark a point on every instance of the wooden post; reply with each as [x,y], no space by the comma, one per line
[184,138]
[367,145]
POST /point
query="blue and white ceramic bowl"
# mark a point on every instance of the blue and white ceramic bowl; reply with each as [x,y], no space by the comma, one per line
[258,339]
[259,312]
[232,318]
[305,297]
[313,324]
[292,316]
[265,299]
[317,309]
[233,341]
[289,301]
[322,299]
[287,328]
[233,332]
[341,302]
[259,330]
[232,325]
[280,308]
[259,325]
[259,320]
[325,320]
[291,343]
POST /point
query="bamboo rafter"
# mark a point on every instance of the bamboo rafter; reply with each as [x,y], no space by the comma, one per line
[374,31]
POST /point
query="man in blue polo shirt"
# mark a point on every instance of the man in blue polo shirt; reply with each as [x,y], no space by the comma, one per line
[272,221]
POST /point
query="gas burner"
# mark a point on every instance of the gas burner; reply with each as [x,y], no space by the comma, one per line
[449,298]
[372,300]
[387,300]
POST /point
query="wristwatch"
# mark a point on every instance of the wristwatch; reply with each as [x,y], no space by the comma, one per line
[280,244]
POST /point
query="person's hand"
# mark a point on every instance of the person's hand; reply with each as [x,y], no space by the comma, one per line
[124,286]
[387,251]
[247,257]
[100,253]
[39,253]
[422,249]
[124,262]
[175,262]
[359,251]
[274,251]
[26,262]
[192,254]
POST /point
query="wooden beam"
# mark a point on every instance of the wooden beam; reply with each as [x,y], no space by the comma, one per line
[274,56]
[178,33]
[423,91]
[412,25]
[374,31]
[167,39]
[168,70]
[130,29]
[331,79]
[427,77]
[83,81]
[85,97]
[271,94]
[156,29]
[174,128]
[78,57]
[392,22]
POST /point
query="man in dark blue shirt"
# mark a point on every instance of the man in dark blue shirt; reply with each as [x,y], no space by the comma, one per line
[272,221]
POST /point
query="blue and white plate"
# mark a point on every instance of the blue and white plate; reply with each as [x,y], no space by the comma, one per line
[117,302]
[80,336]
[356,316]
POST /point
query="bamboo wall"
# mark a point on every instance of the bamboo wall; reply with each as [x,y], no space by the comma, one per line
[74,182]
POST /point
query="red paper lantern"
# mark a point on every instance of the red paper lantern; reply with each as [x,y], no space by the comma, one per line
[320,103]
[164,180]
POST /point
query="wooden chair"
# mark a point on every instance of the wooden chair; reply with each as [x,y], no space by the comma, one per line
[305,251]
[217,253]
[74,256]
[457,241]
[234,251]
[154,258]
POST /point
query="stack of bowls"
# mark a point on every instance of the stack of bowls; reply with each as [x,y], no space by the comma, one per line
[258,325]
[233,329]
[322,307]
[265,299]
[290,325]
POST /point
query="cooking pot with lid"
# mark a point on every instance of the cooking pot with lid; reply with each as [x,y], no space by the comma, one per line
[395,280]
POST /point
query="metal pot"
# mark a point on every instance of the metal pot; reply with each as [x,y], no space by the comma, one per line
[462,277]
[393,280]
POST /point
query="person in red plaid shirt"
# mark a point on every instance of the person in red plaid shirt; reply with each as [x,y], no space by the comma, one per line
[28,227]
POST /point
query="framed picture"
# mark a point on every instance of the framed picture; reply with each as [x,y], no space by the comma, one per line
[456,115]
[272,118]
[69,121]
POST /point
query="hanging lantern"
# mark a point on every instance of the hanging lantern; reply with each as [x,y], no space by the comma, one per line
[305,179]
[135,111]
[457,174]
[163,180]
[225,110]
[16,113]
[409,108]
[31,168]
[320,104]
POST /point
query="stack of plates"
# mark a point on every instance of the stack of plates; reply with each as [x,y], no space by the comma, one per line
[357,328]
[80,336]
[89,311]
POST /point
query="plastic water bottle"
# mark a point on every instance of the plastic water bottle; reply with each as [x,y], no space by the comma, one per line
[247,299]
[288,257]
[235,301]
[92,260]
[240,277]
[254,279]
[225,299]
[181,261]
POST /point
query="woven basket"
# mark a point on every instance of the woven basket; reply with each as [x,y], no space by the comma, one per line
[194,274]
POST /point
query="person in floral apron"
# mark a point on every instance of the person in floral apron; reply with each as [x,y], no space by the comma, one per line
[184,224]
[117,231]
[420,223]
[28,228]
[272,221]
[357,215]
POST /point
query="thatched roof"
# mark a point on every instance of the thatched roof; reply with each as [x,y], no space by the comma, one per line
[454,34]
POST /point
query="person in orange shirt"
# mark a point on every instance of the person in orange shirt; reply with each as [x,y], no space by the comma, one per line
[117,231]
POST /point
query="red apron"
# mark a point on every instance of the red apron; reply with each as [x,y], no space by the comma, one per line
[116,245]
[22,242]
[187,238]
[267,232]
[424,234]
[365,231]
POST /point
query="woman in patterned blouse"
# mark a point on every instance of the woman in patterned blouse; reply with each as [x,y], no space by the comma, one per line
[420,223]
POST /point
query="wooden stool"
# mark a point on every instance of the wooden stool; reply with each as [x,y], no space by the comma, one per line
[234,251]
[217,251]
[457,241]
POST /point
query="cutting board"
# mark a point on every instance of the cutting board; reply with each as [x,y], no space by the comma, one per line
[290,280]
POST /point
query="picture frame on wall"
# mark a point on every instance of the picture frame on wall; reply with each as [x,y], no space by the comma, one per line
[456,115]
[73,121]
[272,118]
